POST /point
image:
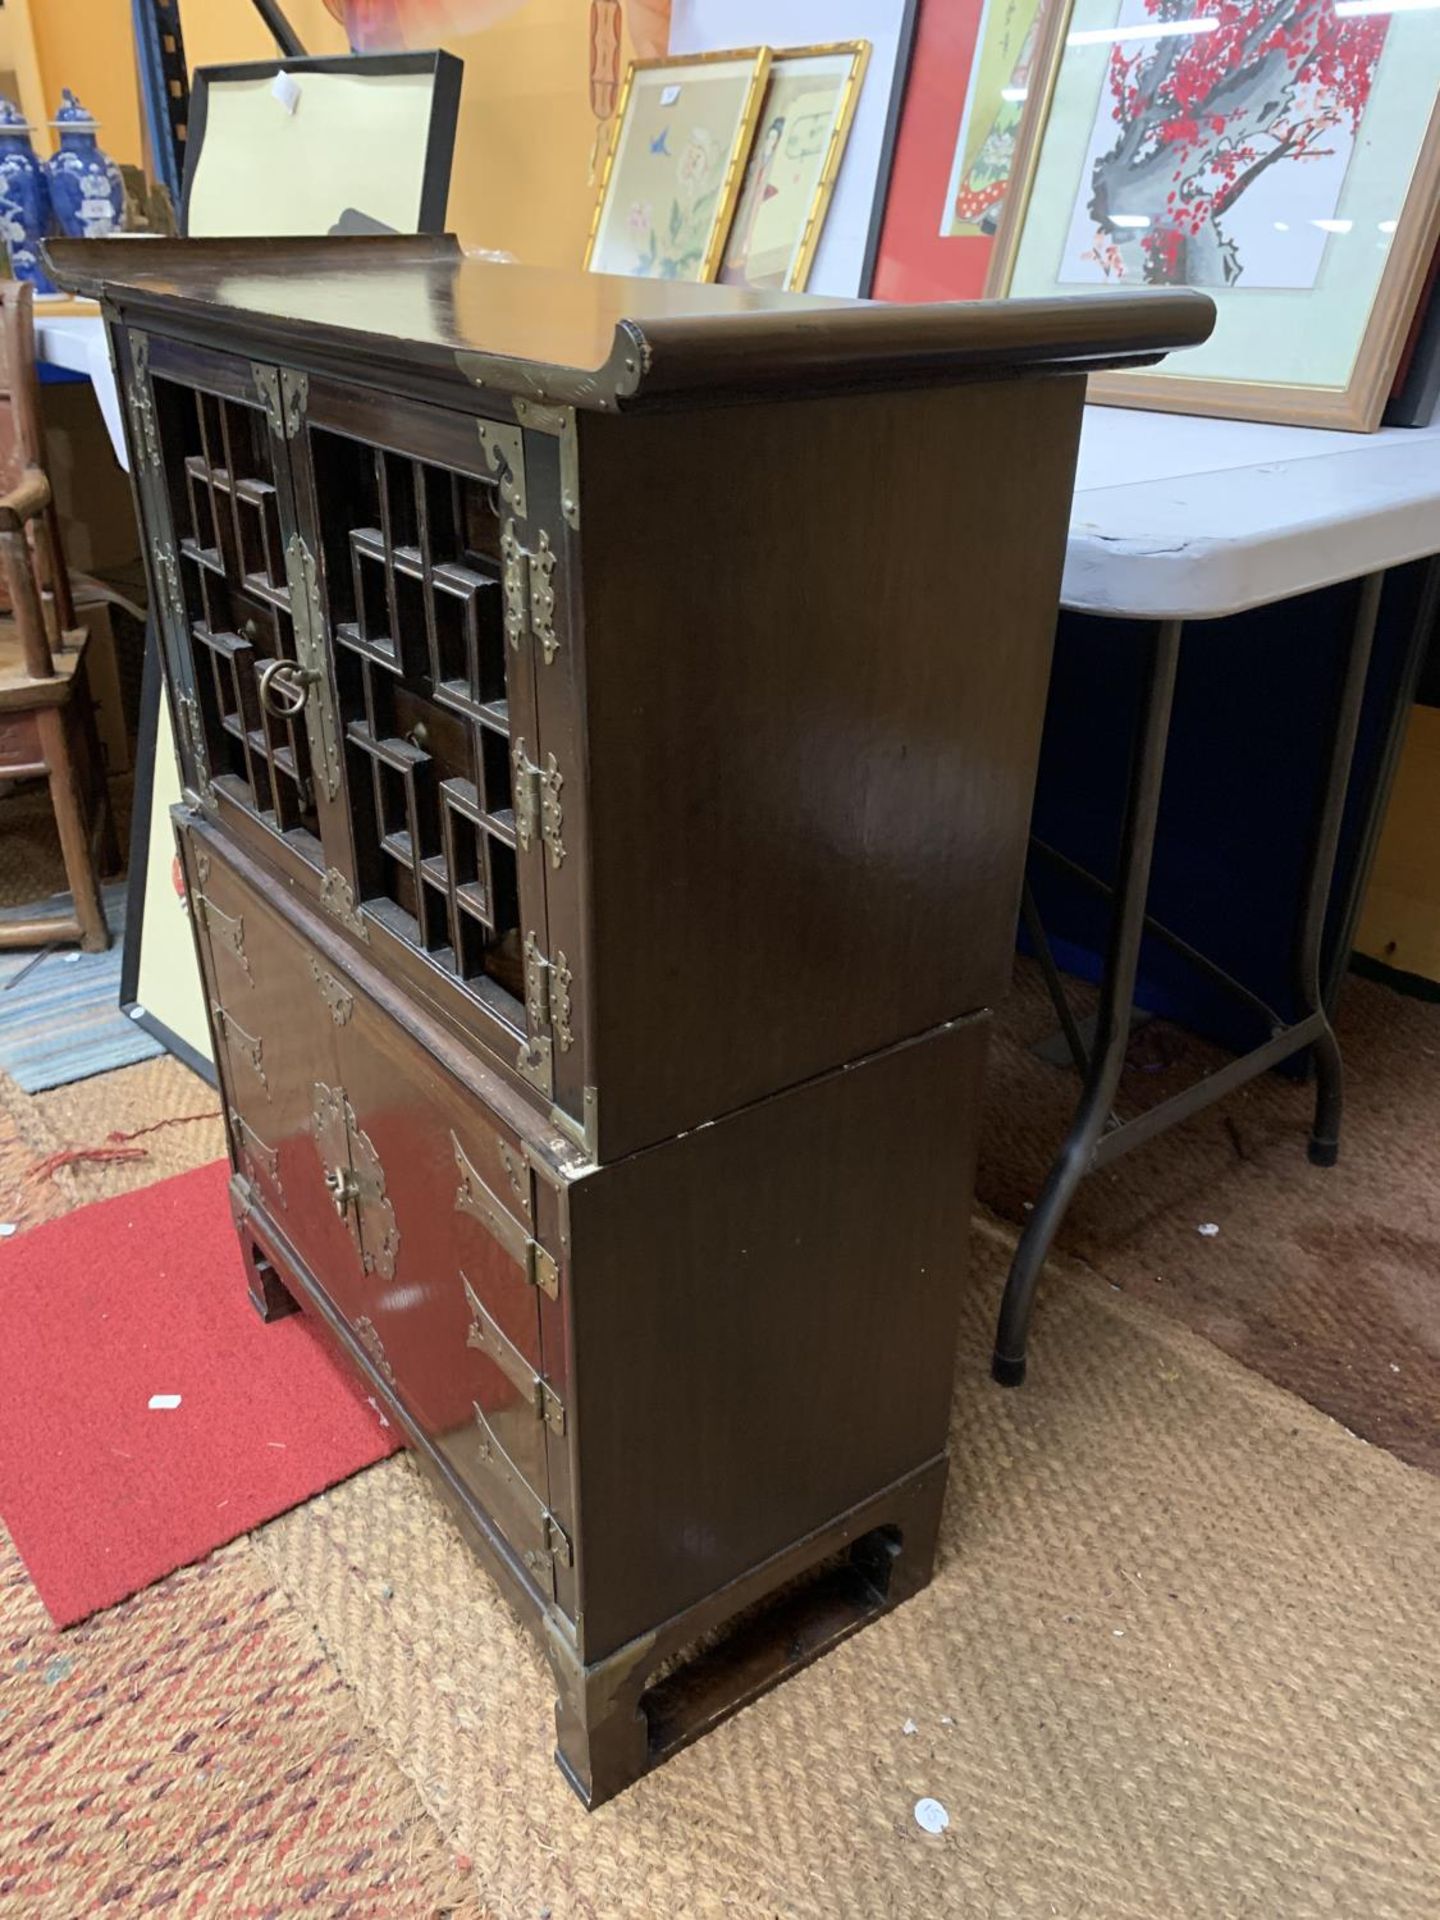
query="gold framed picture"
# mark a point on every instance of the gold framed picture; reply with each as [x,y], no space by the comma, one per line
[1282,156]
[683,130]
[809,104]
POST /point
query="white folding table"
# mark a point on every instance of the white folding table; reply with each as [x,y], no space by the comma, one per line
[1178,521]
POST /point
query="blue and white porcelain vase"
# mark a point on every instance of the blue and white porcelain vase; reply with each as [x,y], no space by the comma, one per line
[87,195]
[24,201]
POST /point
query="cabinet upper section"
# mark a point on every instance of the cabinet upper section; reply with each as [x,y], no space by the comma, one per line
[420,314]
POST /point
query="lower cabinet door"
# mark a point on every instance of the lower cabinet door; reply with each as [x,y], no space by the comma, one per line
[274,1042]
[410,1207]
[452,1308]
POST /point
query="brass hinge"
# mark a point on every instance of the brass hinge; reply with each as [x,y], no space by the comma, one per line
[249,1047]
[548,1011]
[225,930]
[473,1196]
[537,802]
[143,423]
[256,1151]
[294,397]
[337,999]
[337,897]
[308,619]
[553,1543]
[368,1335]
[192,730]
[487,1336]
[168,590]
[282,394]
[529,590]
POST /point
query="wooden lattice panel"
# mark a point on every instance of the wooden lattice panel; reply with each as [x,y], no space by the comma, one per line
[233,577]
[413,576]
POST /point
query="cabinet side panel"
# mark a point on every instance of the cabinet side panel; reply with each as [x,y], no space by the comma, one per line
[764,1323]
[817,645]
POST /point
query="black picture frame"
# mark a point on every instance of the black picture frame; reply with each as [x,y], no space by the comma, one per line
[152,691]
[448,72]
[904,56]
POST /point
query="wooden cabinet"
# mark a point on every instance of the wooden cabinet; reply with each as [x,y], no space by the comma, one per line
[608,715]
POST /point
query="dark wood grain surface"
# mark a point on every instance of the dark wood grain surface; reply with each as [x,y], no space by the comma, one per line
[598,340]
[764,1313]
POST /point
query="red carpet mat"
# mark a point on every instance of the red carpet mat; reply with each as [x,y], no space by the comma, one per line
[144,1297]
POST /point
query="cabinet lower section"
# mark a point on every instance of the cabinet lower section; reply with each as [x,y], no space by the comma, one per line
[653,1391]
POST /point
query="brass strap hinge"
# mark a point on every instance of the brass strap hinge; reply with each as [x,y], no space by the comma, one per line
[308,619]
[255,1149]
[192,731]
[340,1002]
[537,802]
[250,1049]
[529,590]
[337,897]
[225,930]
[143,424]
[282,394]
[548,1003]
[553,1543]
[474,1197]
[490,1338]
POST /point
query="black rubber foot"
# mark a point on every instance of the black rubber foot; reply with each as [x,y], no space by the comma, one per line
[1008,1373]
[1324,1153]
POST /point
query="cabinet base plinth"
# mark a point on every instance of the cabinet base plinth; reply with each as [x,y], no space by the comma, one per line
[616,1720]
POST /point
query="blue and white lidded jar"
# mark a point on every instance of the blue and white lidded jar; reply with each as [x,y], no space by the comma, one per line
[24,201]
[87,194]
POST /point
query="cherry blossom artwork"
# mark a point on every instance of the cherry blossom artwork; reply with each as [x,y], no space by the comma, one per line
[1222,138]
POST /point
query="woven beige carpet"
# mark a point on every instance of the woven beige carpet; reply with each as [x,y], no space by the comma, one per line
[1180,1661]
[192,1752]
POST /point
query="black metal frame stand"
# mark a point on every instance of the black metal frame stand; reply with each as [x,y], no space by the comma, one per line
[1096,1136]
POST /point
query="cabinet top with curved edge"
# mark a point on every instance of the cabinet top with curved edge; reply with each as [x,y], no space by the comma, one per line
[422,307]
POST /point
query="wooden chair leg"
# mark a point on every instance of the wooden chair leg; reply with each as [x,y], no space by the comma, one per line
[70,818]
[104,840]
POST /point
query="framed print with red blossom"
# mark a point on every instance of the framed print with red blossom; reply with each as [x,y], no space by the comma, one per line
[1281,155]
[959,128]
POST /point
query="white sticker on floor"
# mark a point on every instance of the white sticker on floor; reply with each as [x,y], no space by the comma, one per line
[930,1815]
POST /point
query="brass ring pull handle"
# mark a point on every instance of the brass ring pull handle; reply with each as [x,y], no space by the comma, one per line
[283,686]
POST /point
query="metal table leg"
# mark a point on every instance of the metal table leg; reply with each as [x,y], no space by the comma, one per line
[1112,1031]
[1329,1080]
[1095,1136]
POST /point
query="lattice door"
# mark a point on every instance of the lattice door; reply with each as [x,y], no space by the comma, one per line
[225,475]
[413,582]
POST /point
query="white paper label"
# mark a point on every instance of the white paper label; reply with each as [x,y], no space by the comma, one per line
[669,95]
[286,89]
[930,1815]
[163,1402]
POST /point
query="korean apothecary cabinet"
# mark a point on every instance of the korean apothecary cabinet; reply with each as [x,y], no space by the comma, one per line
[608,714]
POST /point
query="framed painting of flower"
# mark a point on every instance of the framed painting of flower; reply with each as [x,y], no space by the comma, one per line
[683,131]
[1281,155]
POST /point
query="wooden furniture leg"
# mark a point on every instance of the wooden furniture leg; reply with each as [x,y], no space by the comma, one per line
[74,830]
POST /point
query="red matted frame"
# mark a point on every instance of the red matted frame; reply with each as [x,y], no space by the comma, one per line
[913,260]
